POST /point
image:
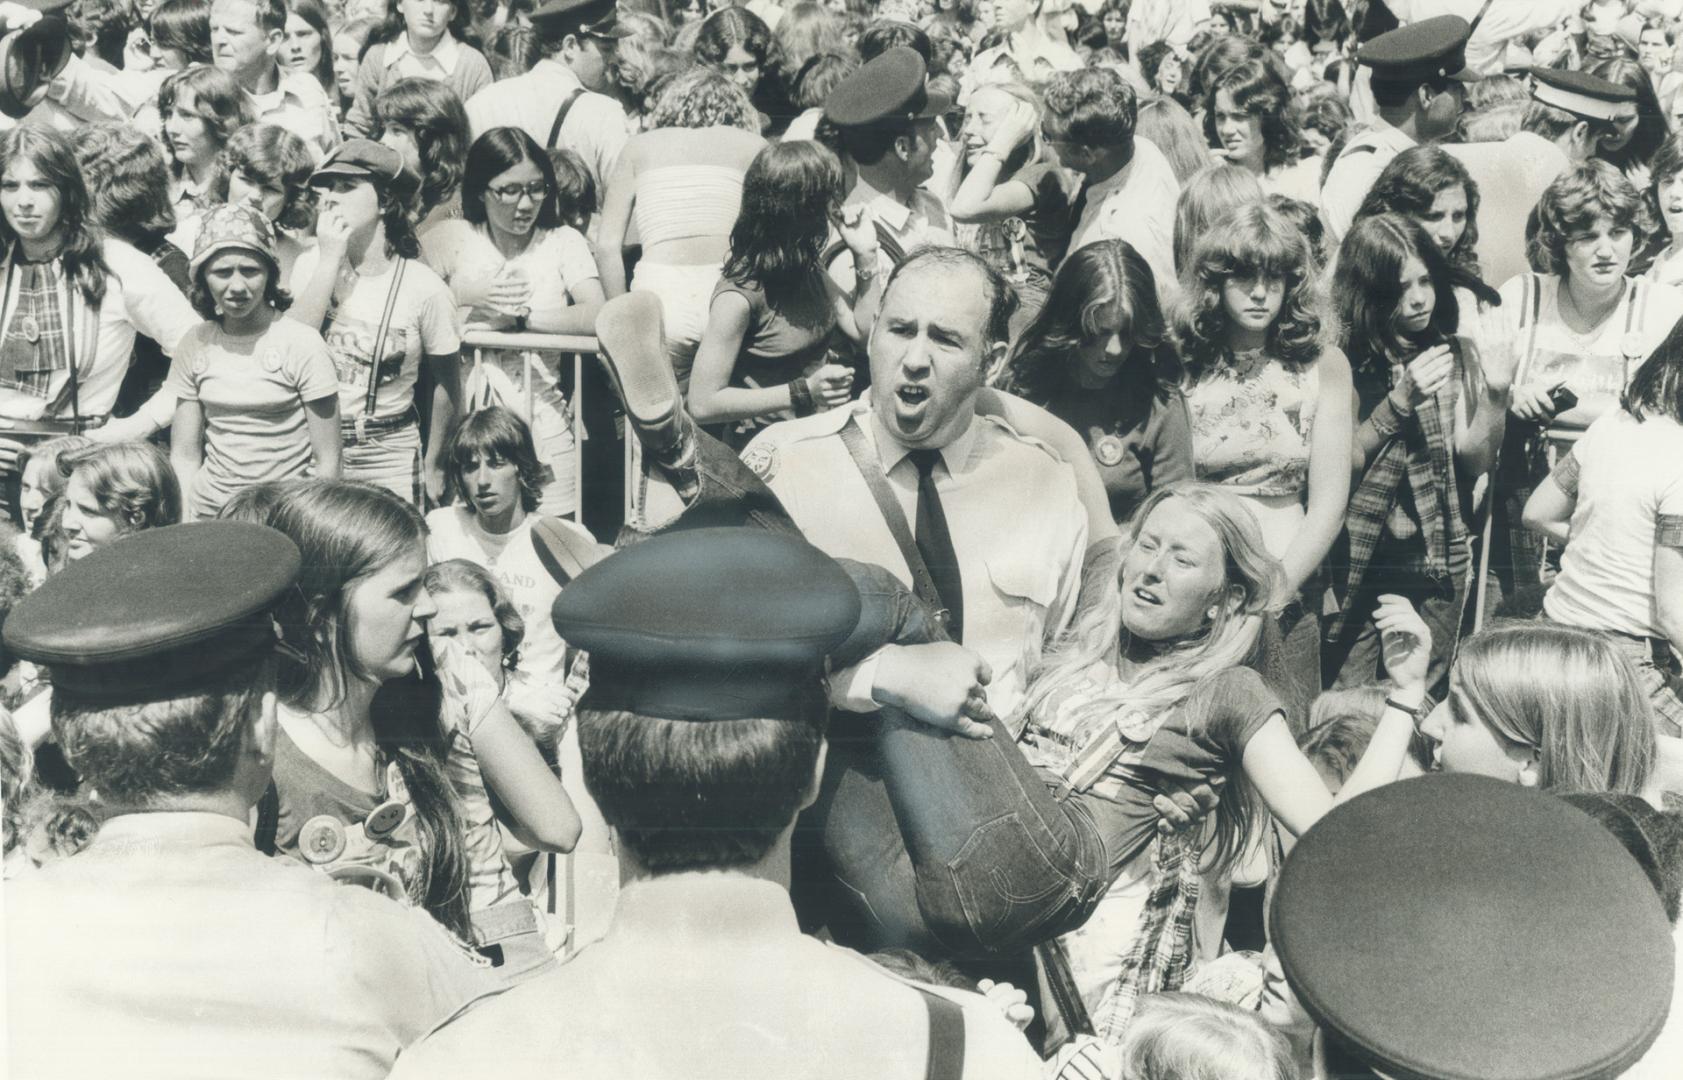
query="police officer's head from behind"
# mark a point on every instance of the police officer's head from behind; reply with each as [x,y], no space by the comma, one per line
[1087,117]
[943,327]
[162,653]
[702,733]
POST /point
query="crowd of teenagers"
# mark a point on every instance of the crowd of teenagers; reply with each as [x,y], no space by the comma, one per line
[1127,539]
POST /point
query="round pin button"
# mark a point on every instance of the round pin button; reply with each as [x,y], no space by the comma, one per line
[1109,451]
[322,839]
[385,819]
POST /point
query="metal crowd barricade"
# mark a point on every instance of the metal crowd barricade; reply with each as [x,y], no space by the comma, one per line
[480,347]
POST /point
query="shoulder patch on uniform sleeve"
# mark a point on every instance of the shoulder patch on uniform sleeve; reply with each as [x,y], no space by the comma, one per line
[761,457]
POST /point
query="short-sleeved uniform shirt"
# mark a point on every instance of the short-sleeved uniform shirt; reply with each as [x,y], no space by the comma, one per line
[171,948]
[253,390]
[423,324]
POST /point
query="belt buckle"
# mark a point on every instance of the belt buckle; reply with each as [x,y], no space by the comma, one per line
[360,426]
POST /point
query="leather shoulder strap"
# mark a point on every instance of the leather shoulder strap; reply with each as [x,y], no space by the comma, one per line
[563,552]
[870,468]
[268,820]
[946,1038]
[561,116]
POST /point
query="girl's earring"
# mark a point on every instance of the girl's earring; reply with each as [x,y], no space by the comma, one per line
[1210,616]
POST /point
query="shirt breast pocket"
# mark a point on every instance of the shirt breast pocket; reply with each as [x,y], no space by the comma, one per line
[1020,582]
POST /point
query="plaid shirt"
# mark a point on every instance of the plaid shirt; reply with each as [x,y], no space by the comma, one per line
[1417,455]
[1161,956]
[35,347]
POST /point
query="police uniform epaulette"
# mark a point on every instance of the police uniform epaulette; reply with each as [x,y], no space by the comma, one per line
[1027,440]
[765,454]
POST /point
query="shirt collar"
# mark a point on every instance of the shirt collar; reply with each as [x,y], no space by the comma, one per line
[444,56]
[171,829]
[885,207]
[555,69]
[891,451]
[276,98]
[712,904]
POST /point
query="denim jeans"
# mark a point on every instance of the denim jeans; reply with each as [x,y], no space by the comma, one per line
[936,841]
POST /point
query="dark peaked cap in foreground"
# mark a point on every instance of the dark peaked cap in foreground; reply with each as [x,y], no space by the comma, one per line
[709,624]
[1462,928]
[156,614]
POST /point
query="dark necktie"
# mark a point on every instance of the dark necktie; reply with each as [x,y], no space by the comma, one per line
[1077,208]
[935,543]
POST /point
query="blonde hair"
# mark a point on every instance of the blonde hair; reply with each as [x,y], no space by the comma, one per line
[1098,638]
[1567,693]
[1190,1037]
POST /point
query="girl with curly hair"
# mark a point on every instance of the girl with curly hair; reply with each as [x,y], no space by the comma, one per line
[1580,327]
[1099,357]
[1431,420]
[1248,117]
[738,44]
[767,352]
[1432,188]
[425,121]
[1271,404]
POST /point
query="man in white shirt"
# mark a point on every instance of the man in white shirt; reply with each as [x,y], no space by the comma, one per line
[170,947]
[563,101]
[702,735]
[1414,85]
[889,136]
[1128,189]
[245,38]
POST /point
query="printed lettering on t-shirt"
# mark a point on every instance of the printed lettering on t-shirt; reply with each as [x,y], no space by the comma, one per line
[1589,376]
[350,341]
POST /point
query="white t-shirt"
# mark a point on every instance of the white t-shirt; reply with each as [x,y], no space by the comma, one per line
[423,324]
[1628,478]
[1597,365]
[455,533]
[555,262]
